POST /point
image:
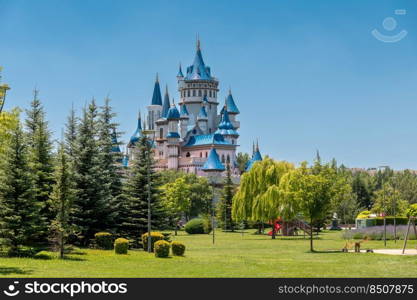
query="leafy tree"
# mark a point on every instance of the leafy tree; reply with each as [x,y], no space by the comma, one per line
[363,189]
[258,197]
[3,90]
[8,122]
[201,196]
[242,160]
[91,206]
[176,199]
[224,209]
[19,210]
[40,160]
[62,198]
[142,181]
[388,201]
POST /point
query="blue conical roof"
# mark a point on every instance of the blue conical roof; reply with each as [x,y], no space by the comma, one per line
[256,156]
[213,162]
[180,72]
[184,111]
[231,105]
[166,105]
[156,97]
[173,113]
[203,113]
[225,122]
[138,132]
[198,70]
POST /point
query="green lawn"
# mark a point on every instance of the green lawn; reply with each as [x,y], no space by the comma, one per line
[234,255]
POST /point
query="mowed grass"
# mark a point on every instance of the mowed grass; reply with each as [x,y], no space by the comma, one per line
[233,255]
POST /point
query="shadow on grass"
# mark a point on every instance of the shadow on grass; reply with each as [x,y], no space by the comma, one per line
[324,251]
[70,258]
[13,270]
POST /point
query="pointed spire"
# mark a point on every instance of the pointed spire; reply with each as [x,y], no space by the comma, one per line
[257,145]
[231,105]
[253,148]
[198,42]
[180,74]
[156,97]
[166,105]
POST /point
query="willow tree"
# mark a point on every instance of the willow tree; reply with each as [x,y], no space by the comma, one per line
[258,197]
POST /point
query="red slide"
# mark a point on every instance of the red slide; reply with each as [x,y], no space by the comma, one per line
[277,227]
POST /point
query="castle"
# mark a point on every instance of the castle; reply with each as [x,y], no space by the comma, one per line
[192,135]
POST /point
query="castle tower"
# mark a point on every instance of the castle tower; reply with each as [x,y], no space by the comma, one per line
[173,137]
[226,127]
[202,119]
[232,110]
[155,109]
[197,83]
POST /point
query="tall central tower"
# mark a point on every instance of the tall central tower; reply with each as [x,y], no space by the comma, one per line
[199,88]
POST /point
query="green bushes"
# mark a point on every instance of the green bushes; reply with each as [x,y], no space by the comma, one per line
[104,240]
[121,245]
[43,255]
[390,220]
[155,236]
[162,248]
[198,226]
[178,248]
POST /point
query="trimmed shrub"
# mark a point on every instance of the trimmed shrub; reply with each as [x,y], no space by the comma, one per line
[104,240]
[121,245]
[155,236]
[43,255]
[389,220]
[377,233]
[167,236]
[162,248]
[363,214]
[178,248]
[198,226]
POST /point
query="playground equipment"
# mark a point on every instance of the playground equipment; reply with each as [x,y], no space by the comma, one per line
[411,219]
[289,228]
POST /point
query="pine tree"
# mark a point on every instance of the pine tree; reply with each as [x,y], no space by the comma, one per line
[224,209]
[90,206]
[62,198]
[110,161]
[40,160]
[71,134]
[135,205]
[19,210]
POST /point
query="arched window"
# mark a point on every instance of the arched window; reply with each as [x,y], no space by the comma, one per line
[188,154]
[228,158]
[206,154]
[223,161]
[188,93]
[199,93]
[161,133]
[201,154]
[193,93]
[233,141]
[210,93]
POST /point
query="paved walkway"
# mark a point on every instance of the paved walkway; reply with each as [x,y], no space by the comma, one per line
[396,251]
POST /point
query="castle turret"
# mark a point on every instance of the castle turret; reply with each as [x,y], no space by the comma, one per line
[184,120]
[166,105]
[226,127]
[232,110]
[173,137]
[202,119]
[256,156]
[180,76]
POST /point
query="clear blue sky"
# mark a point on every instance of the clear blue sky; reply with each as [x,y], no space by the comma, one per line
[306,75]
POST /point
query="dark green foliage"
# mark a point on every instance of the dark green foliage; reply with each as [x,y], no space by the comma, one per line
[198,226]
[224,208]
[155,236]
[134,210]
[19,210]
[40,162]
[162,249]
[104,240]
[242,160]
[121,246]
[178,248]
[91,205]
[110,162]
[62,199]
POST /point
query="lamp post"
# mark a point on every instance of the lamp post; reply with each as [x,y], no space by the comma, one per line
[148,175]
[384,204]
[213,168]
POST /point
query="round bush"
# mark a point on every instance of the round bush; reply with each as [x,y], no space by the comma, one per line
[155,236]
[104,240]
[162,248]
[121,245]
[198,226]
[178,248]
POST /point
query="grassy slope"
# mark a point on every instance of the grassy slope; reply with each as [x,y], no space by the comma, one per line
[232,256]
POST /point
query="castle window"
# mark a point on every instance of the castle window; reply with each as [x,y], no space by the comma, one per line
[199,93]
[210,93]
[188,93]
[193,93]
[228,158]
[188,154]
[206,154]
[209,130]
[161,133]
[201,154]
[223,158]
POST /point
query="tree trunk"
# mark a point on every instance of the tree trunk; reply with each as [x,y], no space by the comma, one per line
[273,230]
[61,245]
[311,236]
